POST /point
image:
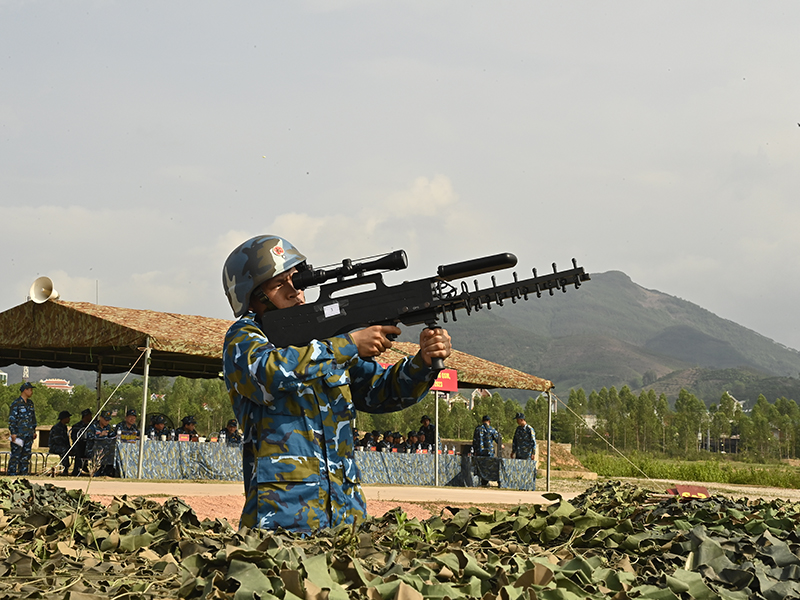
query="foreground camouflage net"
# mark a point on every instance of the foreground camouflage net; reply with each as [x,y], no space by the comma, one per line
[614,541]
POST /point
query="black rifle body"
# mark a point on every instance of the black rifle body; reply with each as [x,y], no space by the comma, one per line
[410,303]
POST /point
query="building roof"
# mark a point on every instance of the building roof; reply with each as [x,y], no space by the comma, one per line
[87,336]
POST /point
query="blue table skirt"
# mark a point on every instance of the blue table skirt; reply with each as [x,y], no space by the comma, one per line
[192,460]
[181,460]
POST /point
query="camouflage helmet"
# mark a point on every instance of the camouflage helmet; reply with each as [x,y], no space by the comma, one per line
[252,263]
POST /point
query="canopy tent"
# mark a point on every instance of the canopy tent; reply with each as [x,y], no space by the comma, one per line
[107,339]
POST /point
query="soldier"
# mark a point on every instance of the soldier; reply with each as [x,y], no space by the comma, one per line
[59,441]
[78,436]
[385,445]
[159,428]
[483,441]
[484,438]
[428,429]
[295,403]
[188,429]
[231,432]
[101,445]
[412,442]
[22,426]
[127,430]
[524,444]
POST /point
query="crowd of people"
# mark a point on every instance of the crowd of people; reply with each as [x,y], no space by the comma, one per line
[90,444]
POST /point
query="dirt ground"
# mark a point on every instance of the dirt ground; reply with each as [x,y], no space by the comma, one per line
[229,507]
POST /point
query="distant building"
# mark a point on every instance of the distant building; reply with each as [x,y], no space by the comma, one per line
[57,384]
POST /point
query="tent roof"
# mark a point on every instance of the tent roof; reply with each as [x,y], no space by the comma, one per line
[88,337]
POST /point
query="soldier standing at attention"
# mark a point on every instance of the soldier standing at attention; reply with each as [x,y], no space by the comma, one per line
[483,441]
[428,429]
[296,403]
[59,441]
[484,438]
[78,438]
[22,426]
[524,444]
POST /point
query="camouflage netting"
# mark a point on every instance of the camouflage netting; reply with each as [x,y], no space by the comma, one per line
[614,541]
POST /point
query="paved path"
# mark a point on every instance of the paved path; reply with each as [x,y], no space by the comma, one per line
[397,493]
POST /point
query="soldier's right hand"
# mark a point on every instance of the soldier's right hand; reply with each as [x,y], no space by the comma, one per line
[373,341]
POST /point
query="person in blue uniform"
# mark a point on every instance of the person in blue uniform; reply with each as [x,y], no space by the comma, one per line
[159,428]
[188,428]
[296,403]
[22,427]
[523,446]
[231,432]
[101,445]
[59,441]
[484,439]
[127,429]
[78,436]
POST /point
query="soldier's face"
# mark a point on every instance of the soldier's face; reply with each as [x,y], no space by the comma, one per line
[281,291]
[520,422]
[130,419]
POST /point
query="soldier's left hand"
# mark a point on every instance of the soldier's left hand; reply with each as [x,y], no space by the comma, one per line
[434,343]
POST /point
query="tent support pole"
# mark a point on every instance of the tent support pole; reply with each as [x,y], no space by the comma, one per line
[142,420]
[549,433]
[436,439]
[99,383]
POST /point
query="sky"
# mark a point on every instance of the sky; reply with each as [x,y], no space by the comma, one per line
[140,142]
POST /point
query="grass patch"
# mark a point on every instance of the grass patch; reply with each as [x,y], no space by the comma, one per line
[714,471]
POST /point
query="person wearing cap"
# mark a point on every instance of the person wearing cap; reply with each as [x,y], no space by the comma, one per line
[412,442]
[231,431]
[59,441]
[159,428]
[101,445]
[523,446]
[188,428]
[399,443]
[484,438]
[296,403]
[22,426]
[385,445]
[428,429]
[78,436]
[127,429]
[483,446]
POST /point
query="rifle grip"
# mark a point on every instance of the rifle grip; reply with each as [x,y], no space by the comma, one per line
[437,364]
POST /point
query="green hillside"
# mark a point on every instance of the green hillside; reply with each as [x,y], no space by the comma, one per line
[614,332]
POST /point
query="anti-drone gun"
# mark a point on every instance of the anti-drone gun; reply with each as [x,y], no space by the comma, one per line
[425,301]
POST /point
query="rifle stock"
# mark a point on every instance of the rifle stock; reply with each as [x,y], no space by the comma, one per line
[425,301]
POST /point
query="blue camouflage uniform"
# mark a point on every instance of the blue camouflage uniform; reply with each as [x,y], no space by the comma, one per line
[21,423]
[524,444]
[101,446]
[127,433]
[484,439]
[295,406]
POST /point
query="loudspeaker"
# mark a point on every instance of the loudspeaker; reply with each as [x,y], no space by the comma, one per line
[42,290]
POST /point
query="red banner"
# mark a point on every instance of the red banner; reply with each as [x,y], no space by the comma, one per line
[447,381]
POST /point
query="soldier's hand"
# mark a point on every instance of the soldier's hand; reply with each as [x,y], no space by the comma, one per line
[434,343]
[373,341]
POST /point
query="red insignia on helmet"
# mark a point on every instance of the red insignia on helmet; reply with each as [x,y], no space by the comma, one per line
[278,251]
